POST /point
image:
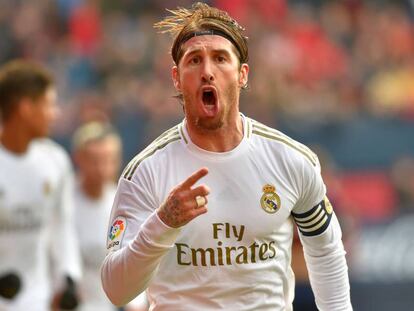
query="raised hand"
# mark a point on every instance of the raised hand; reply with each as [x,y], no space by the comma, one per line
[185,203]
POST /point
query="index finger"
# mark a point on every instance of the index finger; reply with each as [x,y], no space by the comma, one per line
[190,181]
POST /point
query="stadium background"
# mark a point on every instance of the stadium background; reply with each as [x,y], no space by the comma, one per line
[335,75]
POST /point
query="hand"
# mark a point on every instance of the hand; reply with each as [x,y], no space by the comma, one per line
[68,298]
[181,206]
[10,285]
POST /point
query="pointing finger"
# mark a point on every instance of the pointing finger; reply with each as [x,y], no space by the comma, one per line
[190,181]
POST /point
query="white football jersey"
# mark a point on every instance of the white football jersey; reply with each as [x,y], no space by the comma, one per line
[236,256]
[92,217]
[35,221]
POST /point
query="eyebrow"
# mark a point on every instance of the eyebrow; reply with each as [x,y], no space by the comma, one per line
[215,51]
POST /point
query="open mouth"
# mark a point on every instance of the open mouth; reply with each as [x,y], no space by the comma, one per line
[209,98]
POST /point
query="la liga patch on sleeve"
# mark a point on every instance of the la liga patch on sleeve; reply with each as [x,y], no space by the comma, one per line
[116,233]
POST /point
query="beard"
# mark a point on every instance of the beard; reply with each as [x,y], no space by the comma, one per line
[211,124]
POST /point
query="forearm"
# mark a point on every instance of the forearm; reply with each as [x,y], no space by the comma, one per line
[62,233]
[328,270]
[127,272]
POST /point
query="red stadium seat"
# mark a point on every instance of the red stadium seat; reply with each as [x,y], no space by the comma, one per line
[370,193]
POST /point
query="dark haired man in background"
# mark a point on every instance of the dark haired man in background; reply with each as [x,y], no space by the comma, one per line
[36,180]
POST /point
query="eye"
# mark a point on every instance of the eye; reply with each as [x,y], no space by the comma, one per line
[195,60]
[220,59]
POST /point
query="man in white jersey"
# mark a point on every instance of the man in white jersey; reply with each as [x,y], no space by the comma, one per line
[36,182]
[96,150]
[203,217]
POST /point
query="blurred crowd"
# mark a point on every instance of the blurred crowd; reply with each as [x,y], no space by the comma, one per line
[314,66]
[311,61]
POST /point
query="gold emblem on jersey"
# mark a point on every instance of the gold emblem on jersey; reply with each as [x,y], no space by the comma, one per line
[328,205]
[270,201]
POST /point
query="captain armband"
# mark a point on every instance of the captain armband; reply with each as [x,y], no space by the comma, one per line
[316,220]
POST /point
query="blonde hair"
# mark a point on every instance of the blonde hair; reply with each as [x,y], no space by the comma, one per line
[184,23]
[93,131]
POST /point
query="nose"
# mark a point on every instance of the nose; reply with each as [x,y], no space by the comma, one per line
[207,75]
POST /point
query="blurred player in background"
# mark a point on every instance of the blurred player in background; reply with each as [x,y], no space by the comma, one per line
[96,150]
[224,244]
[36,183]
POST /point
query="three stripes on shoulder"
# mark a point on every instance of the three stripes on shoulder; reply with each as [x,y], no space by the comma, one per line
[270,133]
[162,141]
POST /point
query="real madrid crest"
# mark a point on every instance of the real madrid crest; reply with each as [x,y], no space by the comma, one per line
[270,201]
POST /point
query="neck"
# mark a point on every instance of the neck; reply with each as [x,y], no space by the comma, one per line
[92,190]
[223,139]
[13,138]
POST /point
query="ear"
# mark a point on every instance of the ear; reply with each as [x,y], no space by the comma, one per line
[176,78]
[244,75]
[24,108]
[75,157]
[78,158]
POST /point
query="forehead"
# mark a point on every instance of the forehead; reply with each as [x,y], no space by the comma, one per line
[48,98]
[104,144]
[208,43]
[51,93]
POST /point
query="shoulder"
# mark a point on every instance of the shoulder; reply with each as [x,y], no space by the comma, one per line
[52,152]
[161,145]
[110,191]
[284,144]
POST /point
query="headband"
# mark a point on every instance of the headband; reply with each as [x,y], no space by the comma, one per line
[211,32]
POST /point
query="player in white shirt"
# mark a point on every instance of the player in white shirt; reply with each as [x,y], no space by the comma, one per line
[96,152]
[203,218]
[36,182]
